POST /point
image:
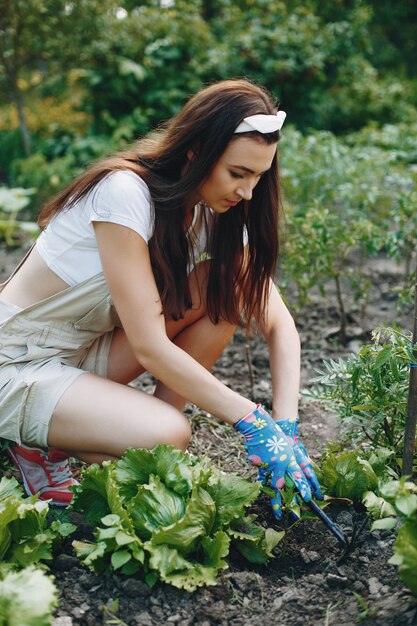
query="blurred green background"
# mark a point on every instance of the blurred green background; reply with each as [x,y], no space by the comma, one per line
[81,79]
[78,79]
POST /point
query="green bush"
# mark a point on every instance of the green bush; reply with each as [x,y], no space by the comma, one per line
[46,177]
[49,177]
[347,198]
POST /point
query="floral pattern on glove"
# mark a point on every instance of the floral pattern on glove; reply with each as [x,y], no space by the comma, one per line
[270,450]
[290,428]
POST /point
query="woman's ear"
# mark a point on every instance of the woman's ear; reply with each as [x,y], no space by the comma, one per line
[192,153]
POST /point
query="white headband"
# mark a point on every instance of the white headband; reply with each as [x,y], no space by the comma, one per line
[262,123]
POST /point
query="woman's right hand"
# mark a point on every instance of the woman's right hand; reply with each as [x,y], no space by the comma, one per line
[270,450]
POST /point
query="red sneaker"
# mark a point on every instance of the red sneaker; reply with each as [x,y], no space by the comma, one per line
[46,472]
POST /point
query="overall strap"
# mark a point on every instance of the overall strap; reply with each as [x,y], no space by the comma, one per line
[16,269]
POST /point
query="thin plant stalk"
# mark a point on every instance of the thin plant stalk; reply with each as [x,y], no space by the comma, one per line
[411,422]
[342,312]
[250,368]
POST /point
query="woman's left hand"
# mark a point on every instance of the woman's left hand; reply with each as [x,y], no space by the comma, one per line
[290,428]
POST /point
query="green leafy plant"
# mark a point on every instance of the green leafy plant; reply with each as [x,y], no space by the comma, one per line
[26,537]
[170,516]
[110,613]
[401,243]
[347,199]
[346,475]
[405,553]
[365,610]
[27,597]
[369,389]
[395,504]
[319,246]
[12,201]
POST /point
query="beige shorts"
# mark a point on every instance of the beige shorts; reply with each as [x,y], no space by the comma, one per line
[31,386]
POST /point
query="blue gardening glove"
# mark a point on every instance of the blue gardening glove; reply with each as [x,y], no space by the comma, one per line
[290,428]
[270,450]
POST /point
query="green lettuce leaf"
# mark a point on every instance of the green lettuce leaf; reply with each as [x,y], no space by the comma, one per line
[8,513]
[10,487]
[94,555]
[231,494]
[215,549]
[346,475]
[154,506]
[115,548]
[197,522]
[115,502]
[91,496]
[377,506]
[27,598]
[137,465]
[253,542]
[405,554]
[185,574]
[134,469]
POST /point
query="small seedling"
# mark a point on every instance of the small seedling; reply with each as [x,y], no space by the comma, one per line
[366,611]
[328,612]
[238,598]
[110,613]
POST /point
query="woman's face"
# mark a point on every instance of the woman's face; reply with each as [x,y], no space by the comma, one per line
[236,173]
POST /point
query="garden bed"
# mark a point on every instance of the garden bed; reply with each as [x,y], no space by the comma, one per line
[306,583]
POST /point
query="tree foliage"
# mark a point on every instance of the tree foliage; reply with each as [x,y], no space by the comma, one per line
[113,70]
[40,37]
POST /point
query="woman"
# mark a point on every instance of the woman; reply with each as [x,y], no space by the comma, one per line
[149,261]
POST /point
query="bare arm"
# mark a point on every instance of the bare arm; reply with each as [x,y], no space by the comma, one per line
[283,343]
[127,268]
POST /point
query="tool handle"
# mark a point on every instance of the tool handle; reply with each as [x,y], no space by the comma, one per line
[337,532]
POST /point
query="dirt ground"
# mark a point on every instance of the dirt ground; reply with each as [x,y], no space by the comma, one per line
[306,583]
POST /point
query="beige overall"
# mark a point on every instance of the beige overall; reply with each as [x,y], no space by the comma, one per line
[44,348]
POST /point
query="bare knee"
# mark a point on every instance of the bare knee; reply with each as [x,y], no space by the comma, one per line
[175,430]
[179,431]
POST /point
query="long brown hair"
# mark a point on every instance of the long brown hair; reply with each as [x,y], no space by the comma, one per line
[205,125]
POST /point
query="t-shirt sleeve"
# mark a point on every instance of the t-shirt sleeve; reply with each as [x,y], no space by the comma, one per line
[123,198]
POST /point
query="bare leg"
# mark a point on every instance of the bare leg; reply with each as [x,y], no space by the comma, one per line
[98,418]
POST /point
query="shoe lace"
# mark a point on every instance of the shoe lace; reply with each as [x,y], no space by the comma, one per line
[59,471]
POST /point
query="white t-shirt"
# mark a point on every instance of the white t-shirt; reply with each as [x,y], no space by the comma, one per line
[68,244]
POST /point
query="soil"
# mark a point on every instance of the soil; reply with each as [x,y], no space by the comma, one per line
[306,583]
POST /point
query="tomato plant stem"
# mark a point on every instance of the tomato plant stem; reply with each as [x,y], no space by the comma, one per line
[342,311]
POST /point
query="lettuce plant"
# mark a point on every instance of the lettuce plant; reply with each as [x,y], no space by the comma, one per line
[25,534]
[396,505]
[27,597]
[346,475]
[170,516]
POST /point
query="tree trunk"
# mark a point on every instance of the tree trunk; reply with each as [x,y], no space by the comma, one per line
[209,10]
[23,126]
[410,425]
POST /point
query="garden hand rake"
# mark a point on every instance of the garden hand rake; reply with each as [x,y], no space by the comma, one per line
[349,543]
